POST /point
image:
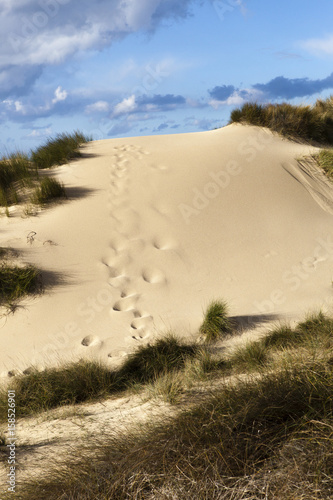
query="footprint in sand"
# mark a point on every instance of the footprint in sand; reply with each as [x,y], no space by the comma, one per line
[119,242]
[117,354]
[14,373]
[119,281]
[135,151]
[117,265]
[142,322]
[143,335]
[164,243]
[159,168]
[90,340]
[153,276]
[126,303]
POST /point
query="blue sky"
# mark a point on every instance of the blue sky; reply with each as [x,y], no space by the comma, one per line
[117,68]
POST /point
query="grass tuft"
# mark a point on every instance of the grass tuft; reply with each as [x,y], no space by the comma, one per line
[251,356]
[216,323]
[63,148]
[48,190]
[282,337]
[325,161]
[15,173]
[19,172]
[149,362]
[16,282]
[309,123]
[73,383]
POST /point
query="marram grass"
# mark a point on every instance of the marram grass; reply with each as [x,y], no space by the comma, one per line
[308,123]
[16,282]
[63,148]
[216,323]
[49,190]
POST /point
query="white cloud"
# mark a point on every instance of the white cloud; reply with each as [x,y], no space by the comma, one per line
[126,106]
[98,107]
[37,134]
[16,106]
[37,33]
[238,98]
[138,15]
[19,106]
[60,95]
[319,46]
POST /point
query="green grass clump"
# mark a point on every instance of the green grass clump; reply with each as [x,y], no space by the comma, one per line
[282,337]
[149,362]
[63,148]
[309,123]
[54,387]
[325,161]
[16,282]
[19,172]
[48,190]
[15,172]
[314,336]
[216,323]
[315,330]
[251,356]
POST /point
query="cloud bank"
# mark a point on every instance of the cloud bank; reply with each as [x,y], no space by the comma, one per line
[38,33]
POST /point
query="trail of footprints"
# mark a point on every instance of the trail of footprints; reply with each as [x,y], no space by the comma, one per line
[141,322]
[124,244]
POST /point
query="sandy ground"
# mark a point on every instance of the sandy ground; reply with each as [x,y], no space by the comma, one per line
[155,228]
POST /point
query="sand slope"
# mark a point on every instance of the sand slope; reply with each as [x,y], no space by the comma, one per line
[155,228]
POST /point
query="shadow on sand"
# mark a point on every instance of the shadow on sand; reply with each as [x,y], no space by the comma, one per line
[248,322]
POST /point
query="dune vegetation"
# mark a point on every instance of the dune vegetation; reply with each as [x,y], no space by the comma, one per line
[216,323]
[264,431]
[16,282]
[63,148]
[306,123]
[325,161]
[19,173]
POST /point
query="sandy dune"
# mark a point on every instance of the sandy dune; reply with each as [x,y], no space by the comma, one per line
[156,227]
